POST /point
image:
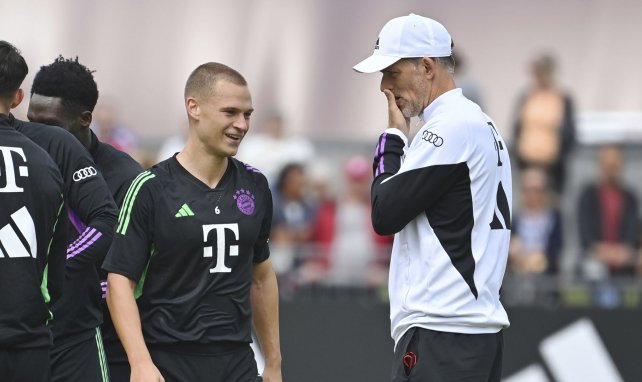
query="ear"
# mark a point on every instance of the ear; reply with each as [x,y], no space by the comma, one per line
[430,65]
[193,108]
[17,99]
[85,118]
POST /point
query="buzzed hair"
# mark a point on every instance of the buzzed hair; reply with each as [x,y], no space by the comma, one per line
[13,69]
[202,81]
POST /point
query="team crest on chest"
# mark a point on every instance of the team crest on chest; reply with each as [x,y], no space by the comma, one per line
[245,201]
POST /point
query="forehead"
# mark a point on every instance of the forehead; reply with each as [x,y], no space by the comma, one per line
[40,106]
[229,94]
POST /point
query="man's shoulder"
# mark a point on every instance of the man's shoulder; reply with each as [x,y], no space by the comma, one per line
[39,132]
[249,171]
[33,151]
[116,163]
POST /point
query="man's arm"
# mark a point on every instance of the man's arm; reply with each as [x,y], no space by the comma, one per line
[126,318]
[86,192]
[399,194]
[264,296]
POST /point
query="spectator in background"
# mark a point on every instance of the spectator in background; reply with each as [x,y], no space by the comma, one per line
[350,252]
[292,218]
[537,229]
[110,130]
[544,129]
[609,218]
[272,148]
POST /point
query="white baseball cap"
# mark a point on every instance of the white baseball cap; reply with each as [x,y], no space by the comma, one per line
[405,37]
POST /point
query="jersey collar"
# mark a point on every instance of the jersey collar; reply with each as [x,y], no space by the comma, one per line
[182,172]
[442,99]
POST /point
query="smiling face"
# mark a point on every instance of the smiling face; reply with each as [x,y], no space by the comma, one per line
[221,119]
[407,80]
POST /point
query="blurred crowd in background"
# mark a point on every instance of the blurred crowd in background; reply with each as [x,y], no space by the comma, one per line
[575,225]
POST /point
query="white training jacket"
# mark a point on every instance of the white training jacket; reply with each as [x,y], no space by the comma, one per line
[447,198]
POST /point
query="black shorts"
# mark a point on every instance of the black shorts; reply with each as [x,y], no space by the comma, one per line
[119,370]
[428,355]
[18,365]
[81,362]
[235,366]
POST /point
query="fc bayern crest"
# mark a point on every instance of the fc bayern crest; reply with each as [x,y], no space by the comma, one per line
[245,201]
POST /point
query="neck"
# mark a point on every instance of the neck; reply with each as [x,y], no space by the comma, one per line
[5,109]
[85,138]
[206,167]
[439,87]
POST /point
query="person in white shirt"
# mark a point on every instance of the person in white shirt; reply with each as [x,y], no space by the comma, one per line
[446,196]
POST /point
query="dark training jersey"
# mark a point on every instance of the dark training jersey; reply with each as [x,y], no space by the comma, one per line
[86,196]
[190,250]
[80,309]
[30,201]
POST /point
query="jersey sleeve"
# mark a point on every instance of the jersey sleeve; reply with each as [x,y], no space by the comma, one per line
[132,248]
[88,196]
[408,180]
[261,247]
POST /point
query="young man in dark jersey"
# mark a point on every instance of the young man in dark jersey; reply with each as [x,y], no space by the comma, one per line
[189,270]
[64,94]
[30,203]
[85,192]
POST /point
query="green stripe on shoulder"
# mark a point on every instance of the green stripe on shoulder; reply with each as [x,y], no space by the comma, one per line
[130,197]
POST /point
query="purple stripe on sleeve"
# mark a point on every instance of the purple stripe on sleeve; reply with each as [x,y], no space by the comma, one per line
[88,242]
[81,239]
[383,143]
[381,150]
[75,220]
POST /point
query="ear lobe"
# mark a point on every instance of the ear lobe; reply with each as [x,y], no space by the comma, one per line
[17,99]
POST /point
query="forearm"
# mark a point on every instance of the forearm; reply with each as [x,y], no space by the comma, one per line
[264,297]
[93,243]
[126,318]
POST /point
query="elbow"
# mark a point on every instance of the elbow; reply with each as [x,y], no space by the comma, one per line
[384,226]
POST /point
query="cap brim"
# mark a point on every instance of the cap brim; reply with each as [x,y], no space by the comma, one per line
[375,63]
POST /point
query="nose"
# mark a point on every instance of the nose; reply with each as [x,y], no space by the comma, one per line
[242,123]
[385,83]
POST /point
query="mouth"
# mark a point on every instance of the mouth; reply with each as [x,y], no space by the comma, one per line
[235,137]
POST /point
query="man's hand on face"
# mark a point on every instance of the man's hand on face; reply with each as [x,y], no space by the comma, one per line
[396,118]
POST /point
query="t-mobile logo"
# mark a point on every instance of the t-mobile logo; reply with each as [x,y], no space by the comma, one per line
[220,245]
[9,169]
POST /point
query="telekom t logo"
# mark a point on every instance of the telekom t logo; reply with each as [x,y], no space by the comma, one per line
[9,169]
[220,245]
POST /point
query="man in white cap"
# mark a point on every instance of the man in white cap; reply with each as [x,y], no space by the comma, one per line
[446,196]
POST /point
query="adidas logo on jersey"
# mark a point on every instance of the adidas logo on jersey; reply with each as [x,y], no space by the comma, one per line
[184,211]
[14,245]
